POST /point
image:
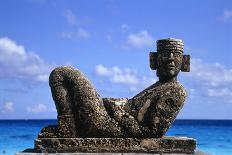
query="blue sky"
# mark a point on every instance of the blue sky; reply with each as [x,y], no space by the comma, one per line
[109,41]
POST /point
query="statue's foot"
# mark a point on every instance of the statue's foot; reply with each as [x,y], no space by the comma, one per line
[49,132]
[64,129]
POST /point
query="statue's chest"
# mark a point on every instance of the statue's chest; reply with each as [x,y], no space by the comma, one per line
[150,97]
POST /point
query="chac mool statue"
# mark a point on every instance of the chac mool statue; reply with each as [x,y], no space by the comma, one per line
[83,113]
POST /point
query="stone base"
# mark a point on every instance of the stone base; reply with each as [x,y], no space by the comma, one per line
[29,153]
[116,145]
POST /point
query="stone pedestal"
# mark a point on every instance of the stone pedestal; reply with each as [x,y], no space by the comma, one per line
[116,145]
[28,153]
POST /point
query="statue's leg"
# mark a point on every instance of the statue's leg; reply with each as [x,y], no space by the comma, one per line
[74,94]
[62,98]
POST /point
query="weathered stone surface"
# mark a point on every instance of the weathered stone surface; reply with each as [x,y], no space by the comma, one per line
[196,153]
[87,122]
[29,153]
[74,95]
[122,145]
[156,107]
[83,113]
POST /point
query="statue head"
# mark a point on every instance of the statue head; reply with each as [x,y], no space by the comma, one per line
[169,59]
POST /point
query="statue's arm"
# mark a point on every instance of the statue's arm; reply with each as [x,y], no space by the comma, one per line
[115,109]
[118,110]
[163,112]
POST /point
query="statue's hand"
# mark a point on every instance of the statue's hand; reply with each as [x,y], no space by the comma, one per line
[118,113]
[115,107]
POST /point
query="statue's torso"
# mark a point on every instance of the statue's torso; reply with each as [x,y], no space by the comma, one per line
[157,106]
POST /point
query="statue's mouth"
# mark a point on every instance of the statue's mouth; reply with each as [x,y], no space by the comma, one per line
[171,66]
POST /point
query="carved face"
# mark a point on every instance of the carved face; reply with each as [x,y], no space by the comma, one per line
[169,63]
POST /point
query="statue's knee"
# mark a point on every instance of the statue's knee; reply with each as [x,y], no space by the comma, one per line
[57,75]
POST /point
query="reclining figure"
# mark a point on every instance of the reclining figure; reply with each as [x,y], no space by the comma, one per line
[83,113]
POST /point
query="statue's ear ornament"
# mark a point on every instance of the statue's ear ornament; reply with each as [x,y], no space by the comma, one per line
[185,67]
[153,59]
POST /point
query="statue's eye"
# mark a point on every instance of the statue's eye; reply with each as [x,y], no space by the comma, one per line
[177,54]
[165,55]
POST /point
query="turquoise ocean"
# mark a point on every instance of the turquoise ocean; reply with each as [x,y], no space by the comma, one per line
[213,136]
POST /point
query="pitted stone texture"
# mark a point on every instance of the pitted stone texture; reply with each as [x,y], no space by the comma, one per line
[170,44]
[65,128]
[29,153]
[114,106]
[122,145]
[74,95]
[83,113]
[156,107]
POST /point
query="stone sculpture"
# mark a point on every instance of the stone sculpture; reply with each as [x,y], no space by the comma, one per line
[84,117]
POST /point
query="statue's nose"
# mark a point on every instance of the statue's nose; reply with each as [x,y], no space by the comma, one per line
[171,56]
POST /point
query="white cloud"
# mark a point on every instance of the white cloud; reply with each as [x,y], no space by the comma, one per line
[70,17]
[17,63]
[8,107]
[227,15]
[117,75]
[124,27]
[82,33]
[212,75]
[37,109]
[126,77]
[79,34]
[211,81]
[224,95]
[140,39]
[221,92]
